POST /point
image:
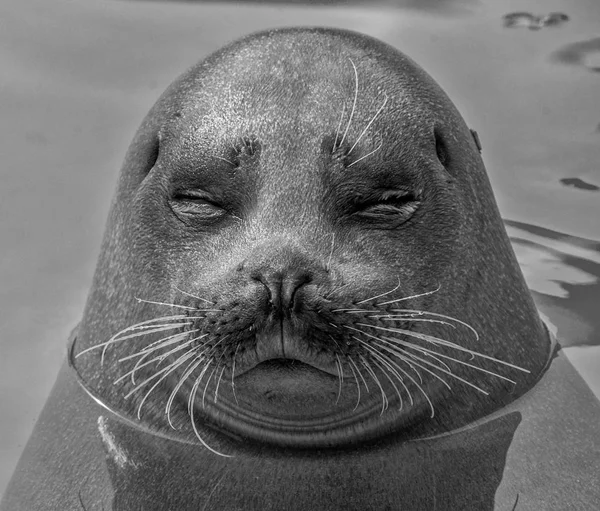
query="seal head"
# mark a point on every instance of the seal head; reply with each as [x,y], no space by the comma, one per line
[304,251]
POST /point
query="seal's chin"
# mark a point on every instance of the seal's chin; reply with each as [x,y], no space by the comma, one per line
[290,403]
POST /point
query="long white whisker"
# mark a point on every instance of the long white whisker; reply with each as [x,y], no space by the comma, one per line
[392,366]
[369,125]
[425,351]
[138,326]
[173,366]
[367,366]
[196,432]
[359,373]
[233,373]
[219,383]
[442,342]
[191,295]
[160,358]
[357,388]
[413,380]
[141,300]
[147,380]
[366,155]
[449,373]
[354,103]
[340,377]
[438,315]
[383,368]
[377,296]
[196,361]
[389,317]
[428,353]
[160,344]
[412,296]
[207,384]
[137,334]
[337,132]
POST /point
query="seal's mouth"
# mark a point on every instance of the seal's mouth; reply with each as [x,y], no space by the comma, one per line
[286,351]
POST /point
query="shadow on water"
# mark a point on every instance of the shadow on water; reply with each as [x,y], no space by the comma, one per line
[580,54]
[575,182]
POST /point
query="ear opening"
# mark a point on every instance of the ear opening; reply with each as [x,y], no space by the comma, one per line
[476,139]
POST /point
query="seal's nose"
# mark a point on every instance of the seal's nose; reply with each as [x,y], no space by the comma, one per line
[282,287]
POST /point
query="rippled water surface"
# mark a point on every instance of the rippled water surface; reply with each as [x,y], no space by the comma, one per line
[77,78]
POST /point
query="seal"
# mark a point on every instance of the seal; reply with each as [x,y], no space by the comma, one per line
[304,282]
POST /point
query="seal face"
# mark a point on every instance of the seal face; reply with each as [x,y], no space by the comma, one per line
[304,251]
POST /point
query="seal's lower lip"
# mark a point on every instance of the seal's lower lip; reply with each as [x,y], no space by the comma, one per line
[286,364]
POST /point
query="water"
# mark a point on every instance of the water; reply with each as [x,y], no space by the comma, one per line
[77,79]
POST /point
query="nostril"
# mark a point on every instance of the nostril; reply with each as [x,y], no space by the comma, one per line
[282,287]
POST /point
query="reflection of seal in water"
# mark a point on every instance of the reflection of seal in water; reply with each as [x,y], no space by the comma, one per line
[304,252]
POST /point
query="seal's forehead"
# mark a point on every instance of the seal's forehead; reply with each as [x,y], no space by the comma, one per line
[299,67]
[299,86]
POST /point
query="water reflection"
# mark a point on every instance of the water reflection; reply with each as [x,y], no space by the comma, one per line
[563,273]
[534,22]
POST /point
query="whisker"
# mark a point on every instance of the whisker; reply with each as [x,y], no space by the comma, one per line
[378,339]
[369,125]
[436,314]
[392,366]
[148,380]
[357,388]
[207,384]
[354,103]
[157,345]
[224,159]
[384,400]
[385,317]
[400,353]
[173,366]
[190,294]
[383,369]
[424,351]
[196,361]
[405,356]
[114,340]
[199,379]
[415,383]
[449,373]
[139,365]
[379,296]
[140,300]
[219,383]
[366,155]
[447,357]
[442,342]
[330,252]
[340,377]
[426,293]
[359,373]
[192,398]
[337,132]
[233,373]
[160,358]
[137,326]
[333,290]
